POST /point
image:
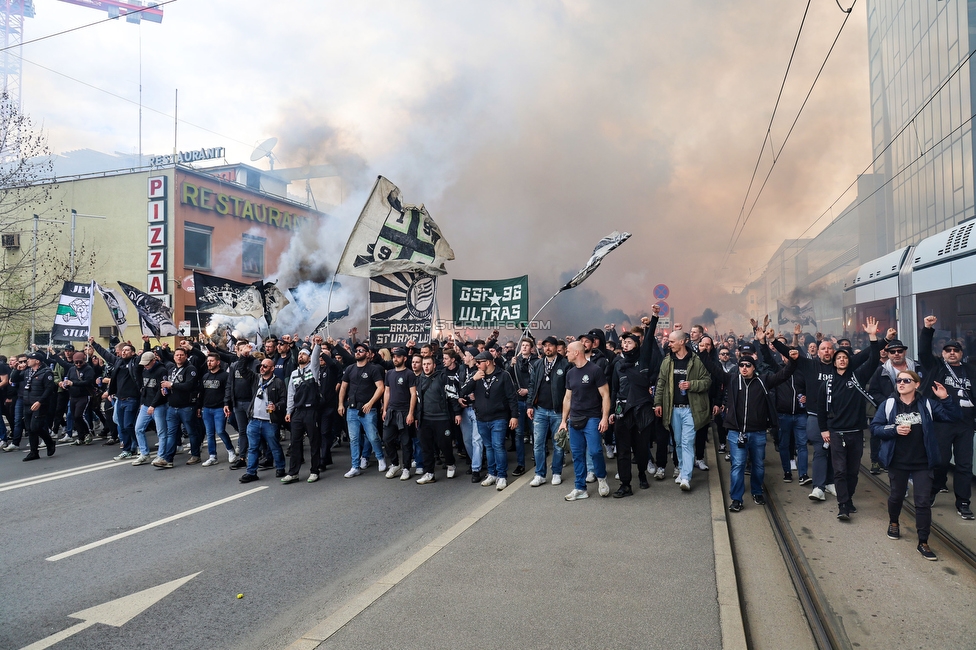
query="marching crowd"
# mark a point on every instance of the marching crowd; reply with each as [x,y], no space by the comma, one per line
[642,396]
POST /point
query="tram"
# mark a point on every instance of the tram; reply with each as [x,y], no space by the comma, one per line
[936,277]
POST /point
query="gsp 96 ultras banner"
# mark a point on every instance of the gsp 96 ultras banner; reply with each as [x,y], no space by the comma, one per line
[491,303]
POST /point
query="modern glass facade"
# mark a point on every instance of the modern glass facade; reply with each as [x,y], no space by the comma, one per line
[920,117]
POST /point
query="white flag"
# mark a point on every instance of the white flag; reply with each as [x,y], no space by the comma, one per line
[602,249]
[391,236]
[115,303]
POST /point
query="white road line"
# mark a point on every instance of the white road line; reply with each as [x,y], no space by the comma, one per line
[136,531]
[354,607]
[60,471]
[65,474]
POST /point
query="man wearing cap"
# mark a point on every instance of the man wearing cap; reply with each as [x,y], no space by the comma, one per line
[62,362]
[399,408]
[547,389]
[79,380]
[586,413]
[301,413]
[150,374]
[882,386]
[39,395]
[955,438]
[495,405]
[521,368]
[469,419]
[362,387]
[238,397]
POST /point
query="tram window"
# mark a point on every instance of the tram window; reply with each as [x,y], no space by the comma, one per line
[956,314]
[884,310]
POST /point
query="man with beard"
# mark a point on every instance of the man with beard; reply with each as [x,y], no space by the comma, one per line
[436,411]
[152,404]
[239,397]
[213,388]
[39,391]
[586,412]
[469,420]
[265,416]
[399,408]
[180,386]
[547,389]
[301,413]
[123,390]
[520,369]
[362,387]
[495,403]
[79,381]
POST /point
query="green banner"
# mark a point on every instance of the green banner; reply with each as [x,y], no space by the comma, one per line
[491,303]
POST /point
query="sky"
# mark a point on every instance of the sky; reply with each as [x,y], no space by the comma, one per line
[528,129]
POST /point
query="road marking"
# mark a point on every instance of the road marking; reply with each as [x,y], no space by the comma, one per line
[165,520]
[116,612]
[355,606]
[67,473]
[60,471]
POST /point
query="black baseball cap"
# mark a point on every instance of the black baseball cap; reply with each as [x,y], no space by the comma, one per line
[551,339]
[953,344]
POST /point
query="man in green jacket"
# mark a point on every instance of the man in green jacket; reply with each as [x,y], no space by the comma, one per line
[681,401]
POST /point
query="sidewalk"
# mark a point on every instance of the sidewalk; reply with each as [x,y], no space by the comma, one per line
[530,569]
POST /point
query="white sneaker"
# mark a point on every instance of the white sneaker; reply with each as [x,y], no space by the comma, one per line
[685,486]
[537,481]
[700,464]
[590,477]
[355,471]
[677,480]
[11,447]
[604,488]
[557,479]
[609,450]
[829,489]
[231,457]
[210,461]
[426,478]
[65,438]
[576,495]
[616,476]
[451,471]
[489,480]
[651,467]
[501,484]
[312,478]
[140,460]
[405,475]
[817,495]
[413,464]
[659,474]
[792,465]
[419,471]
[383,465]
[676,472]
[289,478]
[393,472]
[363,463]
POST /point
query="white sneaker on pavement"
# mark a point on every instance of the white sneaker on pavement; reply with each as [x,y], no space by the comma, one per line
[426,478]
[501,484]
[659,474]
[576,495]
[363,463]
[676,472]
[383,465]
[608,450]
[419,471]
[537,481]
[231,457]
[141,460]
[604,488]
[393,471]
[405,475]
[651,467]
[355,471]
[451,471]
[557,479]
[817,495]
[685,486]
[700,464]
[590,477]
[829,489]
[210,461]
[489,480]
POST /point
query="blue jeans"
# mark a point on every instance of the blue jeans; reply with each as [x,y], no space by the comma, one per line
[544,425]
[756,450]
[362,423]
[142,423]
[683,428]
[520,434]
[258,430]
[798,425]
[126,411]
[588,439]
[472,437]
[215,422]
[493,435]
[174,417]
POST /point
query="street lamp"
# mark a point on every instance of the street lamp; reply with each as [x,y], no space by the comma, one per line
[74,217]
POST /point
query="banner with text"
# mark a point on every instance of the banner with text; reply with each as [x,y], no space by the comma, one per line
[490,303]
[72,322]
[400,308]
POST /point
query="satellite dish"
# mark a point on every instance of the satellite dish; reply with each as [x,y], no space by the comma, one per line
[263,150]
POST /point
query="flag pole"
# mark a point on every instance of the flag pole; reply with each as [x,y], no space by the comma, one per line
[544,305]
[328,306]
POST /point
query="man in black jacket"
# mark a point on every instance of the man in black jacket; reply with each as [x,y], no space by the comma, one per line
[435,411]
[302,413]
[955,438]
[79,381]
[749,412]
[495,404]
[213,409]
[180,386]
[547,387]
[882,386]
[239,396]
[123,391]
[520,368]
[265,413]
[39,394]
[791,399]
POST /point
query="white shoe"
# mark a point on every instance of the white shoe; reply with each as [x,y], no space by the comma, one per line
[64,438]
[700,464]
[288,478]
[576,495]
[616,476]
[231,457]
[537,481]
[677,480]
[210,461]
[659,474]
[363,463]
[501,484]
[393,472]
[676,472]
[11,447]
[817,495]
[413,464]
[141,459]
[557,479]
[451,471]
[685,486]
[383,465]
[604,488]
[312,478]
[651,467]
[792,465]
[405,475]
[426,478]
[829,489]
[124,455]
[355,471]
[590,477]
[489,480]
[419,471]
[608,450]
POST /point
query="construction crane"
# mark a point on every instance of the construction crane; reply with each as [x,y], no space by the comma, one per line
[13,13]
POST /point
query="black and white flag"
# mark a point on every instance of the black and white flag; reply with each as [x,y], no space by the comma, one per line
[273,300]
[115,303]
[603,248]
[400,308]
[227,297]
[154,315]
[391,236]
[328,320]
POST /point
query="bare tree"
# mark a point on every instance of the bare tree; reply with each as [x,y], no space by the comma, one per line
[33,269]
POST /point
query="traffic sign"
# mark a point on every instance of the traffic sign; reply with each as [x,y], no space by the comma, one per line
[661,291]
[665,308]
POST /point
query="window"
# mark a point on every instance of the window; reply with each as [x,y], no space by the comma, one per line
[252,256]
[196,246]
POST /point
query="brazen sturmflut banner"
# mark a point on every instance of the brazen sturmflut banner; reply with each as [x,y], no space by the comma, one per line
[400,308]
[491,303]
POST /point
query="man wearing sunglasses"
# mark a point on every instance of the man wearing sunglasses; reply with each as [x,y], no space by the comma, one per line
[79,380]
[266,414]
[882,386]
[749,412]
[955,438]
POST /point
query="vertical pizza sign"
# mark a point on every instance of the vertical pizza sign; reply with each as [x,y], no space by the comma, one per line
[156,265]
